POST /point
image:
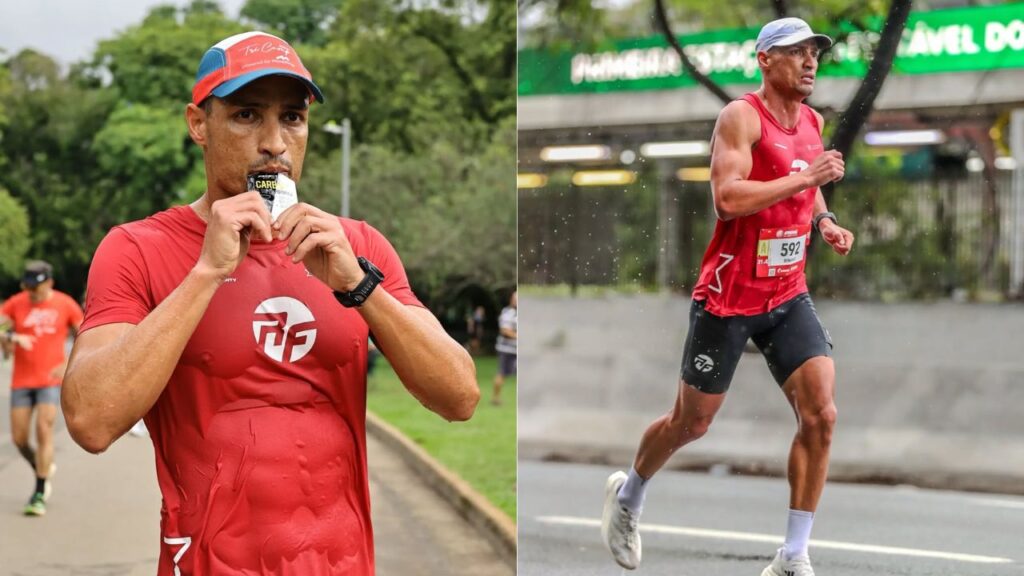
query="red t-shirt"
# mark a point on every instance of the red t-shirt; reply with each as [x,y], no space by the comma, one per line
[48,323]
[260,433]
[729,278]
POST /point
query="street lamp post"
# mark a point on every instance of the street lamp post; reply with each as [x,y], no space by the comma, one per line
[345,131]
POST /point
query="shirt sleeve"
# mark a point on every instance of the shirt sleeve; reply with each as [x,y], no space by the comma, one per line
[118,286]
[7,310]
[507,319]
[74,312]
[382,254]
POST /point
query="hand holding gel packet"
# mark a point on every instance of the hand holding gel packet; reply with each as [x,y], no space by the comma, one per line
[277,191]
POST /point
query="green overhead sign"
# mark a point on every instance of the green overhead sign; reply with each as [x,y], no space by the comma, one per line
[954,40]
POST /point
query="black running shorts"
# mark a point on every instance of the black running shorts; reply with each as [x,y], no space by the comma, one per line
[787,336]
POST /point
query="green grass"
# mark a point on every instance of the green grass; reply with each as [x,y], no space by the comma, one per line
[482,451]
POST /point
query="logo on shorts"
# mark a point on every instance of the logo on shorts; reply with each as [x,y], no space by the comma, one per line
[284,326]
[704,363]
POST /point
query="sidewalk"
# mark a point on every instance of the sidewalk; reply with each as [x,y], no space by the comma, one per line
[928,394]
[104,513]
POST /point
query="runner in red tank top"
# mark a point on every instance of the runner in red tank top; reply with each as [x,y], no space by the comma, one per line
[767,163]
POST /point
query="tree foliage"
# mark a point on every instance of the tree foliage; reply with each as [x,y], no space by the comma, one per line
[302,21]
[428,88]
[14,236]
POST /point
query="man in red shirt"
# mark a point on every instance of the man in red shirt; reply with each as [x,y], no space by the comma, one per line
[38,320]
[767,164]
[241,339]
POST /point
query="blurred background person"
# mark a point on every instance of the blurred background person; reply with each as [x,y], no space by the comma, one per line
[508,334]
[39,320]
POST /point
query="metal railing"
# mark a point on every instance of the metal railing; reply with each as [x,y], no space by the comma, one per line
[925,238]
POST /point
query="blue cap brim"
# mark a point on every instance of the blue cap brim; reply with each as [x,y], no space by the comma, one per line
[227,88]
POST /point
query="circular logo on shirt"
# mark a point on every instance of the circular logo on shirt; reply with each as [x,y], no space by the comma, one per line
[704,363]
[284,327]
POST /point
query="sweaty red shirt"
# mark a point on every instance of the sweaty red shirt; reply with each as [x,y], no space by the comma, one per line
[48,323]
[259,435]
[728,275]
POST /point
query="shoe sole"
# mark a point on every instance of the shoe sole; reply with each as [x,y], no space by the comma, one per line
[611,491]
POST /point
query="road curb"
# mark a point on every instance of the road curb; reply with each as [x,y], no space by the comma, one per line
[839,470]
[495,525]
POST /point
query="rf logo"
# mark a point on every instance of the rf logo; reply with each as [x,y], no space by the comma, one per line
[704,363]
[284,326]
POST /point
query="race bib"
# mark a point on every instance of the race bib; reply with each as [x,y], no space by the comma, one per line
[782,251]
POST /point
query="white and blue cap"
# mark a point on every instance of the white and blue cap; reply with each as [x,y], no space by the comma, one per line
[787,32]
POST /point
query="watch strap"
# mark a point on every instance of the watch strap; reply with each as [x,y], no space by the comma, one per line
[358,295]
[822,216]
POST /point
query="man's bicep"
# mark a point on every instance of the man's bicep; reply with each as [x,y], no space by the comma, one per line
[731,157]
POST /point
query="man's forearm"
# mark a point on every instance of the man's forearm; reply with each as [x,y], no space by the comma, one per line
[432,366]
[110,385]
[744,197]
[819,203]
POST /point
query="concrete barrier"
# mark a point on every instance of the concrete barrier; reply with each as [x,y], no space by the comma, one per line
[928,394]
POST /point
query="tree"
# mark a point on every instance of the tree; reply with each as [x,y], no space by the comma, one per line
[297,21]
[14,235]
[107,142]
[155,62]
[450,210]
[143,149]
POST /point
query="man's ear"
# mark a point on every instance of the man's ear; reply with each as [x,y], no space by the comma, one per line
[196,118]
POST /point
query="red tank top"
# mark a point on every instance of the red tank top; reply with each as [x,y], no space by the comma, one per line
[735,277]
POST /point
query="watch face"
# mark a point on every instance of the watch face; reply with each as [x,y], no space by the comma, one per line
[370,269]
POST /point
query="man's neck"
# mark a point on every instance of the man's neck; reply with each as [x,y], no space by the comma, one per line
[204,205]
[40,298]
[785,108]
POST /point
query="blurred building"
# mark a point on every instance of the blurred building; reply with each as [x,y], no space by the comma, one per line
[613,158]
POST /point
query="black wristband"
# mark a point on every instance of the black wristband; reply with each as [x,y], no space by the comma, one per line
[822,216]
[360,293]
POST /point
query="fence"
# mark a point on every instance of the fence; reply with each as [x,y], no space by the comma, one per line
[916,238]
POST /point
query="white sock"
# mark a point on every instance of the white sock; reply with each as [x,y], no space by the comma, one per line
[632,492]
[798,532]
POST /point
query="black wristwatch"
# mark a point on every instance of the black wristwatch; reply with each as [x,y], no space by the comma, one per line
[357,296]
[822,216]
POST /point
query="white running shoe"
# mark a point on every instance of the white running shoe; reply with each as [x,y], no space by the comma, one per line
[799,566]
[619,525]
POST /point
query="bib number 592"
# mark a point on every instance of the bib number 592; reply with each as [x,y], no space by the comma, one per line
[791,249]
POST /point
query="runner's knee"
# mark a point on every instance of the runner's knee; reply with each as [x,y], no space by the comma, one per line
[20,439]
[818,422]
[44,428]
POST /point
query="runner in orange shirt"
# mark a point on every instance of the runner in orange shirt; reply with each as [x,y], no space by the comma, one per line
[38,319]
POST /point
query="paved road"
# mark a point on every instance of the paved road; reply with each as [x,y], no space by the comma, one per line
[697,524]
[103,516]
